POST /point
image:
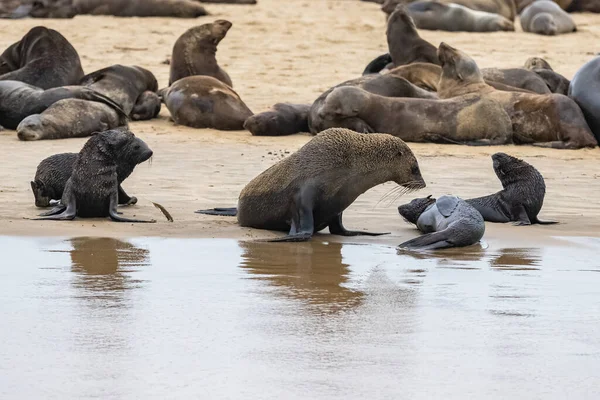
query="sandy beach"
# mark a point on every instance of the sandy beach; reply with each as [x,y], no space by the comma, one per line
[292,51]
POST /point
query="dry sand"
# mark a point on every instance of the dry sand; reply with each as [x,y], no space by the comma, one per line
[293,50]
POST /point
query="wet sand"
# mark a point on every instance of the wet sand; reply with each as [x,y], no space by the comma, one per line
[292,51]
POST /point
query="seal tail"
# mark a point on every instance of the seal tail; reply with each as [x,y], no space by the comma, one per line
[224,212]
[429,241]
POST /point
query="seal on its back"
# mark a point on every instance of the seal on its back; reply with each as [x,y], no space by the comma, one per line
[546,18]
[309,190]
[521,198]
[585,90]
[446,222]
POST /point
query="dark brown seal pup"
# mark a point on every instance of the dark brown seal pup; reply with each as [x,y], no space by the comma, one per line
[556,82]
[545,17]
[194,52]
[53,173]
[92,191]
[205,102]
[19,100]
[309,190]
[42,58]
[281,119]
[585,90]
[521,198]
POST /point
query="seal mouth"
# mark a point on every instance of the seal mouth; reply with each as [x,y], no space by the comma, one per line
[414,185]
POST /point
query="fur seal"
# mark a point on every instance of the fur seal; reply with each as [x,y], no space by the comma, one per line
[446,222]
[42,58]
[19,100]
[281,119]
[545,17]
[205,102]
[517,77]
[505,8]
[556,82]
[521,198]
[69,118]
[309,190]
[194,52]
[53,173]
[585,89]
[147,106]
[92,190]
[584,6]
[432,15]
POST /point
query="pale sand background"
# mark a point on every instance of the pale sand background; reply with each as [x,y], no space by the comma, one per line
[292,51]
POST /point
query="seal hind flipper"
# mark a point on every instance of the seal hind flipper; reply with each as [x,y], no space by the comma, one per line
[429,241]
[54,211]
[94,95]
[446,205]
[378,64]
[538,221]
[224,212]
[337,228]
[60,213]
[300,237]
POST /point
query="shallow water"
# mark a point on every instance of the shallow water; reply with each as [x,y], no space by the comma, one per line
[217,319]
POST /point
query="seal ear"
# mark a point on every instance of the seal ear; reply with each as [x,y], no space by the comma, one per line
[428,197]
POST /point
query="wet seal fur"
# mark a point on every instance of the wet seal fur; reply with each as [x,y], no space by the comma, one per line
[205,102]
[446,222]
[556,82]
[521,198]
[309,190]
[545,17]
[42,58]
[585,90]
[432,15]
[194,53]
[281,119]
[53,173]
[92,190]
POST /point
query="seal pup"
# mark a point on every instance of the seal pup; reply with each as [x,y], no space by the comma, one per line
[194,53]
[53,173]
[545,17]
[43,58]
[205,102]
[309,190]
[281,119]
[585,89]
[521,198]
[556,82]
[19,100]
[432,15]
[92,189]
[446,222]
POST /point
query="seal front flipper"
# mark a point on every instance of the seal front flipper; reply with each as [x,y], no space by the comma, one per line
[224,212]
[302,225]
[520,215]
[54,211]
[337,228]
[429,241]
[125,199]
[61,212]
[538,221]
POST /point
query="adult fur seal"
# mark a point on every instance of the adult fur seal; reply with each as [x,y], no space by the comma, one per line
[432,15]
[309,190]
[282,119]
[521,198]
[505,8]
[53,173]
[446,222]
[205,102]
[556,82]
[194,52]
[92,190]
[585,90]
[404,42]
[545,17]
[42,58]
[19,100]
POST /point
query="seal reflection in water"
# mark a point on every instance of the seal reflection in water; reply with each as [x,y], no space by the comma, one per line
[308,191]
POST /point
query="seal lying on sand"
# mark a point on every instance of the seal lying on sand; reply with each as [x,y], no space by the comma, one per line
[194,52]
[19,100]
[282,119]
[546,18]
[456,18]
[521,198]
[445,222]
[54,172]
[505,8]
[584,6]
[92,191]
[556,82]
[42,58]
[585,90]
[309,190]
[204,102]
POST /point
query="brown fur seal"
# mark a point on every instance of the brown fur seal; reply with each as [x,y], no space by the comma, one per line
[384,85]
[517,77]
[556,82]
[521,198]
[432,15]
[53,173]
[545,17]
[92,190]
[194,52]
[551,120]
[205,102]
[585,90]
[533,63]
[147,106]
[309,190]
[505,8]
[282,119]
[19,100]
[69,118]
[404,42]
[42,58]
